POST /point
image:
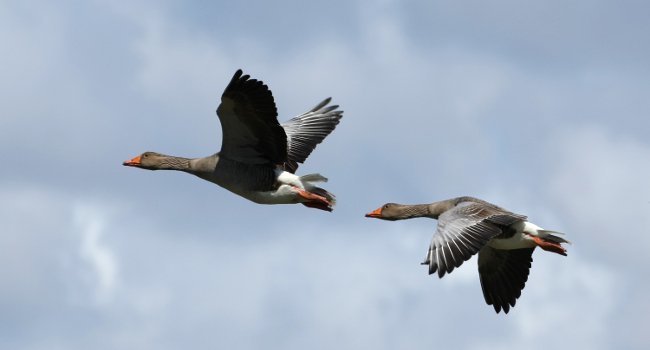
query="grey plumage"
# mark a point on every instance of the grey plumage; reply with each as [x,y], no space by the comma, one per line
[463,229]
[307,130]
[503,240]
[257,153]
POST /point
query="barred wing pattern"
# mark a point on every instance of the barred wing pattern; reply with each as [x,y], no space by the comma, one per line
[462,232]
[307,130]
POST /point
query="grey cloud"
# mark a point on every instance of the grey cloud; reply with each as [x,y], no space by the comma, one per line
[553,36]
[424,120]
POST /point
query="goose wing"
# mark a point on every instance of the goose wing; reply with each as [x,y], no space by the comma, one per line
[307,130]
[463,231]
[503,275]
[249,123]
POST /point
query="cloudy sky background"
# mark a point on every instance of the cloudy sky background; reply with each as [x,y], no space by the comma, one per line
[542,109]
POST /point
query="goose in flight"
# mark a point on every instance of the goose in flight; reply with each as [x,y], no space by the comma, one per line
[504,241]
[259,156]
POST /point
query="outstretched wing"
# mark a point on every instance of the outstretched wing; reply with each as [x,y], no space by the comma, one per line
[307,130]
[463,231]
[249,123]
[503,275]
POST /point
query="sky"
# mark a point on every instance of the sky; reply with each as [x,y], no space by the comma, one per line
[541,108]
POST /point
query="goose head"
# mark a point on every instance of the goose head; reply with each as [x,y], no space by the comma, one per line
[388,211]
[152,161]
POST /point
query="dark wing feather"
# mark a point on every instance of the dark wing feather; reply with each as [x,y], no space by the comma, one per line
[249,122]
[503,275]
[462,232]
[307,130]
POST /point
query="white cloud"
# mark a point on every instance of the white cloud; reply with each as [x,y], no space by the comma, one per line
[340,286]
[92,250]
[185,266]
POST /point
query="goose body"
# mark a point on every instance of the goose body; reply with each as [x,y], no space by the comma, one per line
[259,156]
[504,241]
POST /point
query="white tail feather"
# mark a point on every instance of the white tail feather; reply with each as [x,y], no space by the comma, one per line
[555,232]
[313,178]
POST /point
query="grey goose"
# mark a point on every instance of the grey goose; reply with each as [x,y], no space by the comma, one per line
[259,156]
[504,241]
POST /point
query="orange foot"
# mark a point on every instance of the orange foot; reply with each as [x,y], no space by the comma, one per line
[549,246]
[314,200]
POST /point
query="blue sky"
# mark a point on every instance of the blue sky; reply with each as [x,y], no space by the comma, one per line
[541,108]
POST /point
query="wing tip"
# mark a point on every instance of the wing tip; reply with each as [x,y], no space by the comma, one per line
[238,74]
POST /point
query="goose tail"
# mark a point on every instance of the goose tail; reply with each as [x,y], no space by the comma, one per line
[317,197]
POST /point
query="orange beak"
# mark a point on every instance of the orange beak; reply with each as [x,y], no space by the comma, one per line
[133,162]
[375,213]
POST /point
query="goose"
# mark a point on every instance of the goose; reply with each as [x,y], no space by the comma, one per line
[505,242]
[259,156]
